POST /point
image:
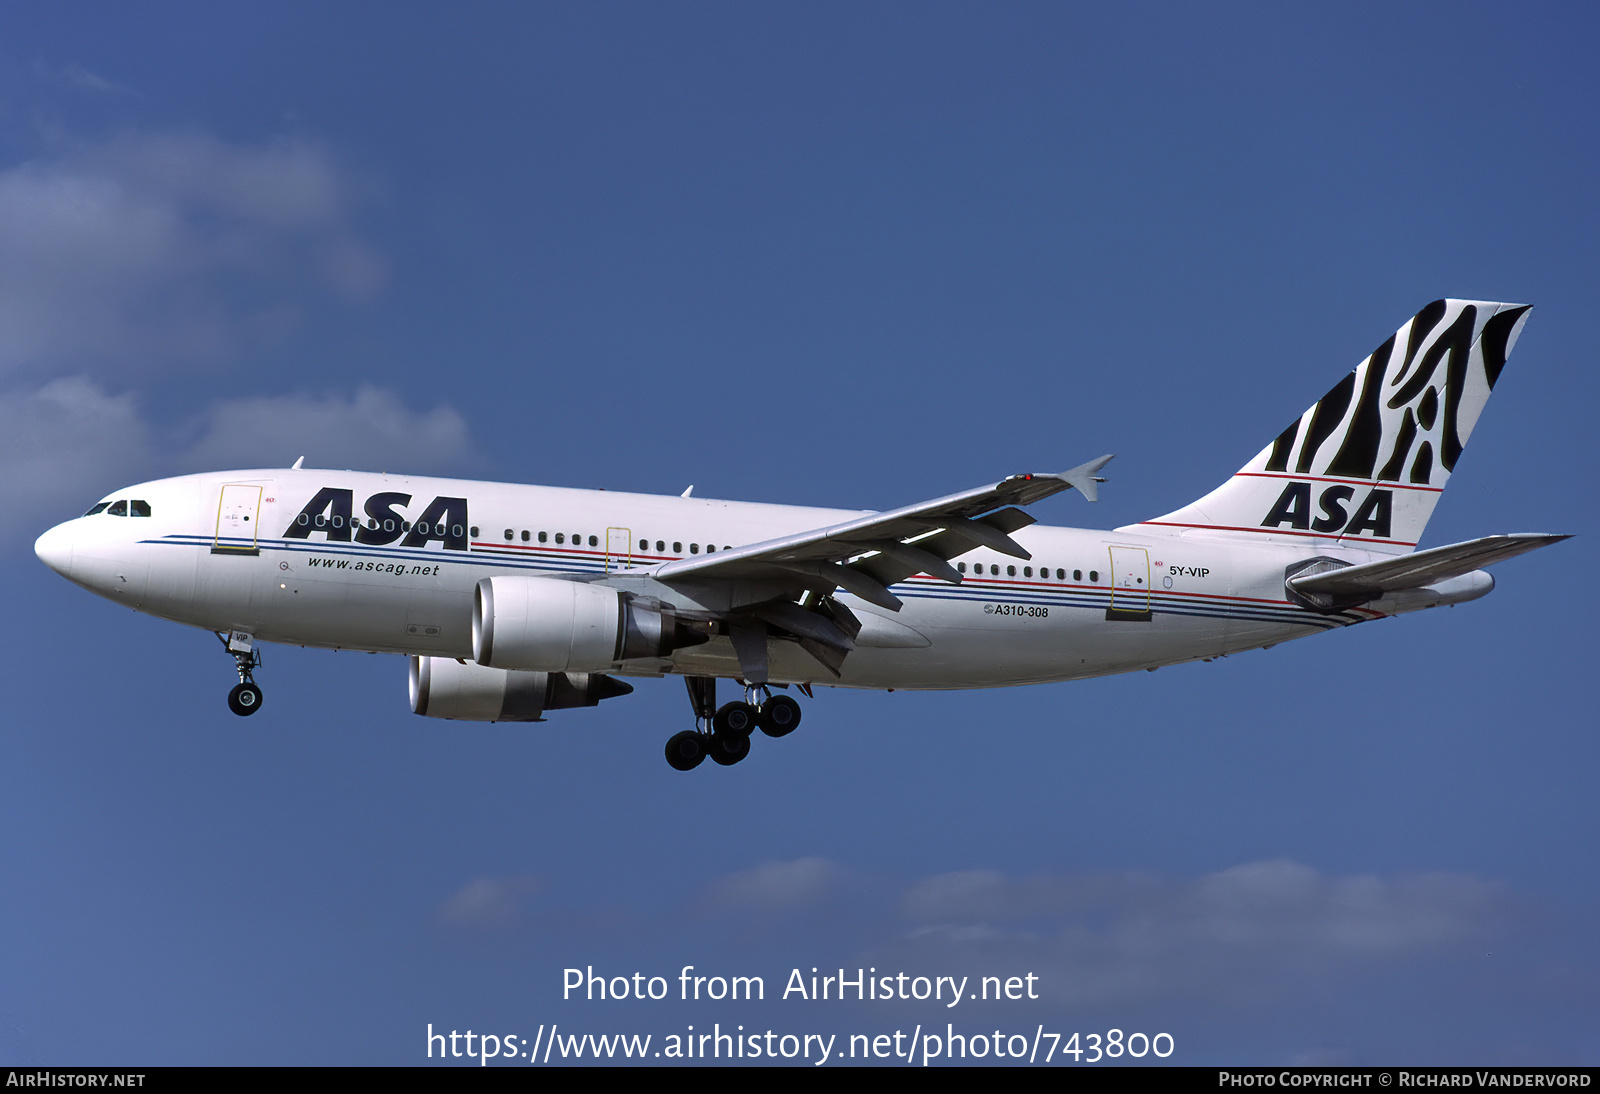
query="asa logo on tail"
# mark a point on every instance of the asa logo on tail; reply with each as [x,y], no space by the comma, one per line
[1294,509]
[329,514]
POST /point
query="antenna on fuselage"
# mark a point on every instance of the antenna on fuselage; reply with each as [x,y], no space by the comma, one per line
[687,492]
[296,465]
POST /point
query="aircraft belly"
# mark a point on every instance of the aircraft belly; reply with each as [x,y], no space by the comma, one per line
[278,597]
[1001,651]
[368,610]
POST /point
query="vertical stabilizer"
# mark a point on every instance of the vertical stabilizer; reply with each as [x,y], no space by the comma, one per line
[1364,466]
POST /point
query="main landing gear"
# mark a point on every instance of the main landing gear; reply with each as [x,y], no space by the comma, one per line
[245,698]
[731,725]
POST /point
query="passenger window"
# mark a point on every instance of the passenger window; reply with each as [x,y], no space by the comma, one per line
[508,533]
[1094,575]
[694,548]
[560,537]
[593,541]
[1027,571]
[1077,575]
[119,508]
[661,547]
[1061,575]
[101,508]
[1011,571]
[544,537]
[677,548]
[525,536]
[644,545]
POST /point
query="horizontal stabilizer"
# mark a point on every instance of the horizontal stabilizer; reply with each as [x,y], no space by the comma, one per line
[1423,568]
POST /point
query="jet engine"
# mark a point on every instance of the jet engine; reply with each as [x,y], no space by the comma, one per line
[548,625]
[442,687]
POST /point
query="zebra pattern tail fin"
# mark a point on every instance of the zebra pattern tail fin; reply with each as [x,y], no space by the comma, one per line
[1364,466]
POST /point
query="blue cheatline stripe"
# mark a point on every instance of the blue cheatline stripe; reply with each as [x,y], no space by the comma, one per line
[411,556]
[551,561]
[1161,603]
[1261,614]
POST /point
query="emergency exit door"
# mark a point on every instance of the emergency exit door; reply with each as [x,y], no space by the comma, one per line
[238,514]
[619,549]
[1130,585]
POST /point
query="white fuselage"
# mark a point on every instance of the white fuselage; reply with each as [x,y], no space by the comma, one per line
[225,552]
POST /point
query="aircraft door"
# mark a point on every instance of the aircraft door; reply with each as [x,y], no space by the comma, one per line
[238,515]
[619,549]
[1130,585]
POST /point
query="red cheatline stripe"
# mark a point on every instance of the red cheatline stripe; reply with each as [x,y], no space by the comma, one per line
[1342,541]
[1385,483]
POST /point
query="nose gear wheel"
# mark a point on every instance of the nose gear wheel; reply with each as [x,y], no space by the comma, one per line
[245,699]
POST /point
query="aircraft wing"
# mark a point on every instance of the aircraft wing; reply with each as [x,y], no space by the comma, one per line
[1421,568]
[866,555]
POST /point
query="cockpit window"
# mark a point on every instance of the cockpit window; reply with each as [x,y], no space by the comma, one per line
[119,508]
[142,509]
[101,508]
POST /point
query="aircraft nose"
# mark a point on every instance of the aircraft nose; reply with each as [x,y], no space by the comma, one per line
[54,549]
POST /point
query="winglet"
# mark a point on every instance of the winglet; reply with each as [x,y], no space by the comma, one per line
[1083,477]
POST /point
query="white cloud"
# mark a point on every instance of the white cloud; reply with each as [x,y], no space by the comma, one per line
[1244,932]
[77,76]
[373,430]
[69,442]
[776,886]
[160,249]
[492,904]
[62,446]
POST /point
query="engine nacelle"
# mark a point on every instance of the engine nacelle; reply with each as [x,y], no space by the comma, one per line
[547,625]
[442,687]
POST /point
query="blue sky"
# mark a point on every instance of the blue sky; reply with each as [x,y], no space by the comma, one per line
[853,255]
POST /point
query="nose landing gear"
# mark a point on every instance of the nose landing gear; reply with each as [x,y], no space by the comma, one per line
[245,698]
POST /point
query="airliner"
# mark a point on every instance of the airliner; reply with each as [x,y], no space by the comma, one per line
[511,601]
